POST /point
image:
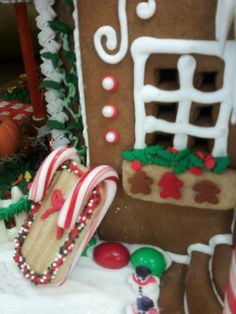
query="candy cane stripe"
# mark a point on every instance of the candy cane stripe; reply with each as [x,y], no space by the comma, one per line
[77,198]
[47,170]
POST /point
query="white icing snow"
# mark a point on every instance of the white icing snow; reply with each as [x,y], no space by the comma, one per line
[90,289]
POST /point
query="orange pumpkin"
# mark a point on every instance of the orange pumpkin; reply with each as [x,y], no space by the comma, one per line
[10,136]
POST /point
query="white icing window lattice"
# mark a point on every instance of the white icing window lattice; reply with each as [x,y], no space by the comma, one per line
[141,49]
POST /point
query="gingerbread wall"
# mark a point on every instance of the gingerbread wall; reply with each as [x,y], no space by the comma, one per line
[169,226]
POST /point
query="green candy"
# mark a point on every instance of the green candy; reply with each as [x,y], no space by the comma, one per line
[150,258]
[92,242]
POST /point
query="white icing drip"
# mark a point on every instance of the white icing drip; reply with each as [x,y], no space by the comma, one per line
[141,49]
[225,17]
[233,221]
[111,37]
[49,44]
[226,307]
[80,77]
[186,310]
[145,10]
[213,283]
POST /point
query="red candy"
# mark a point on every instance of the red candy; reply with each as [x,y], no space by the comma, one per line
[111,255]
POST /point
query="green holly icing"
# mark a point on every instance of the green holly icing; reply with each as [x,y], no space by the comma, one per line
[15,209]
[179,161]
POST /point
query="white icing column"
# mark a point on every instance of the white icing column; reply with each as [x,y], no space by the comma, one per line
[186,68]
[225,17]
[141,49]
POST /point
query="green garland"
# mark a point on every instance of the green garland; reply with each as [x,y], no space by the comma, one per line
[15,209]
[180,161]
[66,90]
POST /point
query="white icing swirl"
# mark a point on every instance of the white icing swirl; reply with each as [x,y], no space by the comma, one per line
[111,37]
[145,10]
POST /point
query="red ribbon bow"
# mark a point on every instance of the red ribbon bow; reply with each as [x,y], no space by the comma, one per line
[57,201]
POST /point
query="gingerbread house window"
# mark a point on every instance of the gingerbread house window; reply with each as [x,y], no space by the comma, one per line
[182,128]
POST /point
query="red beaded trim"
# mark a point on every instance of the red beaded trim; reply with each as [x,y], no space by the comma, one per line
[49,274]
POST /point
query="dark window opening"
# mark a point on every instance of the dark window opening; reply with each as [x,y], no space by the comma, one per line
[206,81]
[167,79]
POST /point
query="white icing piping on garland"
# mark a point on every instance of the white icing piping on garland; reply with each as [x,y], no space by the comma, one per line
[144,10]
[80,78]
[47,41]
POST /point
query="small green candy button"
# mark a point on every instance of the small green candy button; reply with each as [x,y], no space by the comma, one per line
[92,242]
[151,258]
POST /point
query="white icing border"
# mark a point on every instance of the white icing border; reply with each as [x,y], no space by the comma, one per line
[225,17]
[80,78]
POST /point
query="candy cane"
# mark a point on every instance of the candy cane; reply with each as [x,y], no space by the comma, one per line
[230,295]
[79,195]
[48,168]
[109,187]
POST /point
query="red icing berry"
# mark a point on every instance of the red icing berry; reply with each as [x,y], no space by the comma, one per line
[172,150]
[196,171]
[209,162]
[111,255]
[136,165]
[170,185]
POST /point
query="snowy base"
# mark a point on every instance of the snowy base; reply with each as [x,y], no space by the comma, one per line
[90,289]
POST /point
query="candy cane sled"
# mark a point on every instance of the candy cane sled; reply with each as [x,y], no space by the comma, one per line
[53,237]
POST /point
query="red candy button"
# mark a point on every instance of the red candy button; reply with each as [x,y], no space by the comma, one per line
[110,83]
[112,136]
[111,255]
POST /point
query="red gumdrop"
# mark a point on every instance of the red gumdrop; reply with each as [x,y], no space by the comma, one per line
[111,255]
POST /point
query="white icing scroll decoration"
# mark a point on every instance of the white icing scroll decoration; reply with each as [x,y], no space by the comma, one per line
[111,37]
[141,49]
[145,10]
[225,17]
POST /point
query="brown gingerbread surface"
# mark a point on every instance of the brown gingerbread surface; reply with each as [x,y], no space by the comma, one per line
[173,228]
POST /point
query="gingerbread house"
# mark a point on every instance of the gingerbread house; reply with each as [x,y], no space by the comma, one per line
[156,84]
